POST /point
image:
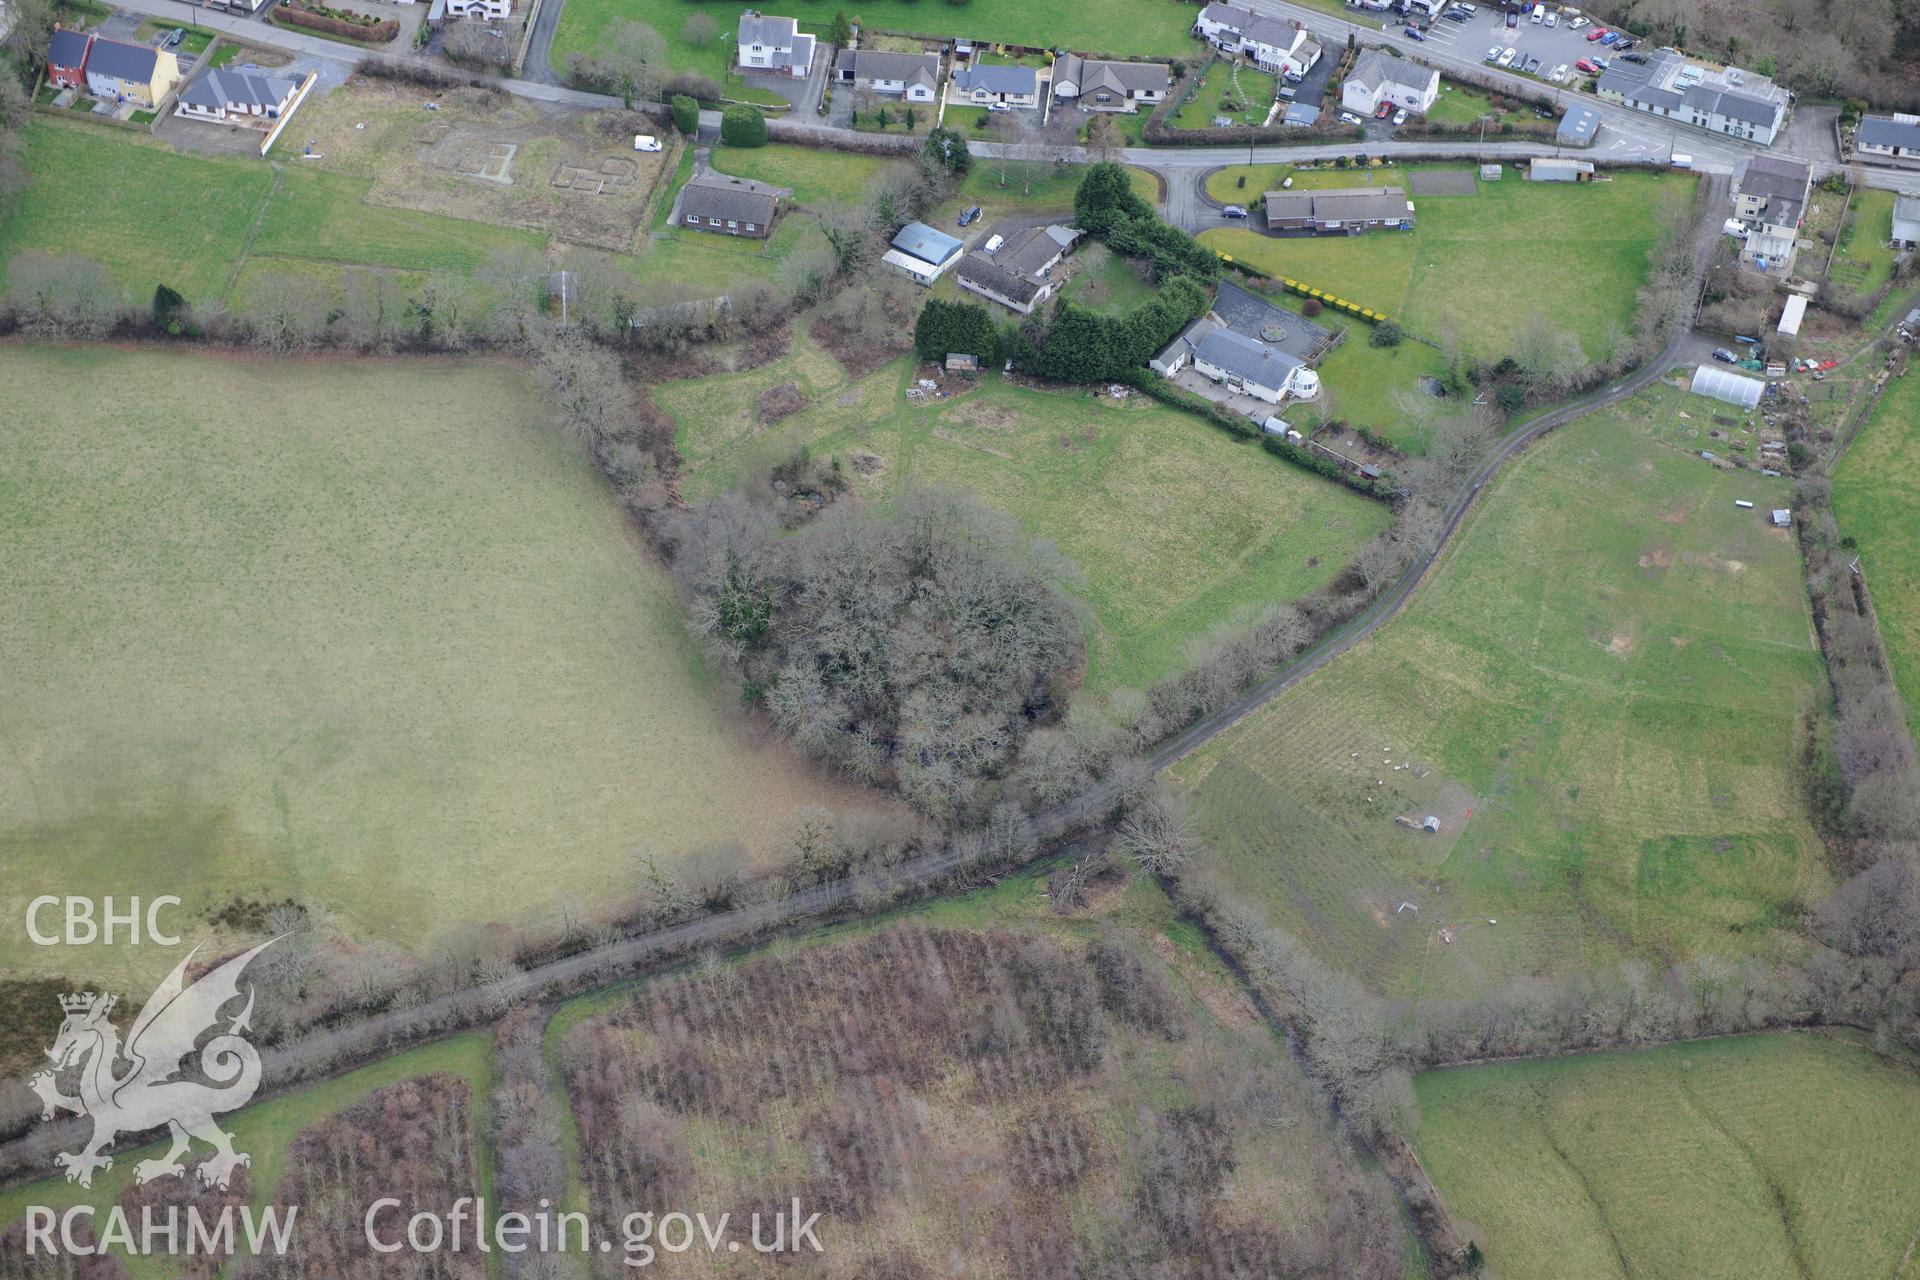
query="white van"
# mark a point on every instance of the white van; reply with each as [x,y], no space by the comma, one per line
[1681,161]
[1538,16]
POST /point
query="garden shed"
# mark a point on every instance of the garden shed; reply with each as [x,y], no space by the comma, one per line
[1726,386]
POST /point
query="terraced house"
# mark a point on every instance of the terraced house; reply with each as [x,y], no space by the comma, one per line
[131,72]
[912,76]
[1110,86]
[1740,104]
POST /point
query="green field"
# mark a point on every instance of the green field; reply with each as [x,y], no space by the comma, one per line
[364,633]
[1250,92]
[1460,104]
[1599,693]
[1863,256]
[1176,527]
[1493,264]
[1876,491]
[815,176]
[1120,27]
[1773,1155]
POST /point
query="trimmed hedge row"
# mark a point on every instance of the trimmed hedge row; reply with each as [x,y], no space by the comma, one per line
[368,33]
[1167,393]
[1305,290]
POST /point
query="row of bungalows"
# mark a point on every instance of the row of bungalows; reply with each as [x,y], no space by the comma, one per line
[1018,273]
[111,69]
[1339,210]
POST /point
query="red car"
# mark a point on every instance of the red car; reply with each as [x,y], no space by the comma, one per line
[1595,34]
[1386,109]
[1588,67]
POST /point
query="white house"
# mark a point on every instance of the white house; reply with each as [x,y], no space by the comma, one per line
[912,76]
[1242,365]
[1110,86]
[1740,104]
[223,94]
[490,10]
[1283,48]
[1906,221]
[1377,78]
[991,83]
[1770,195]
[774,45]
[1895,137]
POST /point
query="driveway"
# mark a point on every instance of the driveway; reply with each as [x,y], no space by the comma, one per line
[537,66]
[799,94]
[1810,134]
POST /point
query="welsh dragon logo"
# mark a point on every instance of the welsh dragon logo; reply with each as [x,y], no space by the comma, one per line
[148,1092]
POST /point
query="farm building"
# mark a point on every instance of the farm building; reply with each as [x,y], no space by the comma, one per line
[729,206]
[1549,170]
[922,254]
[1579,126]
[1792,315]
[1726,386]
[912,76]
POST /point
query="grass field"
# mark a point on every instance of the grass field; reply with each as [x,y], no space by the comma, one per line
[1876,490]
[1491,264]
[1599,693]
[1863,256]
[1773,1155]
[1176,527]
[267,1130]
[816,177]
[1249,92]
[955,1161]
[1460,104]
[1113,27]
[363,633]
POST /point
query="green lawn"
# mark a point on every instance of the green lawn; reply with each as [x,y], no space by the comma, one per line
[152,215]
[1600,694]
[1772,1155]
[267,1130]
[1863,260]
[369,634]
[1876,491]
[1120,27]
[1460,104]
[1493,264]
[1107,282]
[816,176]
[1247,92]
[1175,526]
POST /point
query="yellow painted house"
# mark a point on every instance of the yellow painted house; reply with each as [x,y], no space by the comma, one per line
[132,72]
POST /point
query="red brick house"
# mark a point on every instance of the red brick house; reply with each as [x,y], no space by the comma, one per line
[67,58]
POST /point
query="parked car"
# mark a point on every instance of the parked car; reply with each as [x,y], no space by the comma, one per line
[645,142]
[1233,211]
[175,36]
[1400,117]
[1553,19]
[1349,118]
[1384,110]
[1413,33]
[1576,24]
[1507,56]
[1513,19]
[1724,356]
[1559,74]
[1635,57]
[1610,39]
[1457,15]
[1586,68]
[998,106]
[1468,9]
[1602,63]
[1538,16]
[1625,45]
[1493,54]
[1533,67]
[970,216]
[1595,34]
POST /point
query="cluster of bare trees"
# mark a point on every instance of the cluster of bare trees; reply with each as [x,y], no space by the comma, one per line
[64,295]
[1826,48]
[15,109]
[530,1167]
[912,646]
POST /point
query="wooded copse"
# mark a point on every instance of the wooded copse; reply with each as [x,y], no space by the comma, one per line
[914,645]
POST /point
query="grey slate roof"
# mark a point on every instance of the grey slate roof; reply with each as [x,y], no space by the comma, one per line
[219,87]
[1028,251]
[759,28]
[921,241]
[1093,75]
[1373,69]
[995,77]
[993,276]
[1906,209]
[1783,183]
[1252,360]
[715,195]
[1885,131]
[1252,316]
[67,49]
[1578,125]
[910,68]
[122,61]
